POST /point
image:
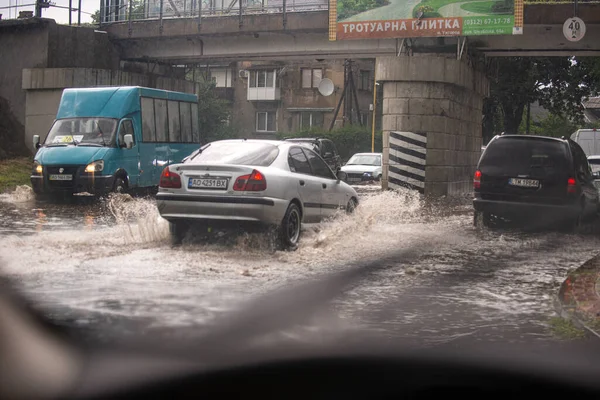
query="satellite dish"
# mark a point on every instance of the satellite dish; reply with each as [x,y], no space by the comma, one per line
[326,87]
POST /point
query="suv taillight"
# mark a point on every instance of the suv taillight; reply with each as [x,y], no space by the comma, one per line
[571,185]
[477,180]
[253,182]
[169,179]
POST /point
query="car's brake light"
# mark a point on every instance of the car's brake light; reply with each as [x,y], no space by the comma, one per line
[253,182]
[571,185]
[477,180]
[169,179]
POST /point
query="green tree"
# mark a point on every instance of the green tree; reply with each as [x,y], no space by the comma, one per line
[559,84]
[214,113]
[96,17]
[554,125]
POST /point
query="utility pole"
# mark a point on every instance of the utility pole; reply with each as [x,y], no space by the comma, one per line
[39,4]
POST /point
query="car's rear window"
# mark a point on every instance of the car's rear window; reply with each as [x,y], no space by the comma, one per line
[594,164]
[516,156]
[238,153]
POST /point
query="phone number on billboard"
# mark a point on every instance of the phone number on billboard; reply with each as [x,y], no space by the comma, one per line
[488,21]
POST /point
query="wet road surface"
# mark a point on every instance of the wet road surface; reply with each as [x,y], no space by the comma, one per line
[107,269]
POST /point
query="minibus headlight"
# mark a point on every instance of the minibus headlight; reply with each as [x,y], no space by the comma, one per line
[96,166]
[37,168]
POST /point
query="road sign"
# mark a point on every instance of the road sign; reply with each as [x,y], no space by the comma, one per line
[574,29]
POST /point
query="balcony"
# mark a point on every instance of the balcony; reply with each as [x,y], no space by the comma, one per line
[264,93]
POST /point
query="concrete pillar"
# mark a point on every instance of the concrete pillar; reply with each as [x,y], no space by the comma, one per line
[432,110]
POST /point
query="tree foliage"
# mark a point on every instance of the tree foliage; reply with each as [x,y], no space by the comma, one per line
[214,114]
[559,84]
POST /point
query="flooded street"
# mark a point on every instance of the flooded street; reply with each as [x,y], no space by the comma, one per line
[107,268]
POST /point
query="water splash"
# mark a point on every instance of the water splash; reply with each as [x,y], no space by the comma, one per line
[21,194]
[137,219]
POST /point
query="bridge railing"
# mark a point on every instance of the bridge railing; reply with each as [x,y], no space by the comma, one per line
[118,11]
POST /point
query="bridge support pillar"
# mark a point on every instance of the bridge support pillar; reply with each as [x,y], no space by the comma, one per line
[432,111]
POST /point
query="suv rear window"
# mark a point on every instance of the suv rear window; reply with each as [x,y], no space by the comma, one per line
[521,156]
[237,153]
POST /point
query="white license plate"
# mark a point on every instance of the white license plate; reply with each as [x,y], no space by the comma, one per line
[61,177]
[207,183]
[533,183]
[354,179]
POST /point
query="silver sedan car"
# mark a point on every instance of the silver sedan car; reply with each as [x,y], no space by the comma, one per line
[274,183]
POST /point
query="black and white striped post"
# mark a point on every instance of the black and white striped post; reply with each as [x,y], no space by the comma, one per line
[406,160]
[432,106]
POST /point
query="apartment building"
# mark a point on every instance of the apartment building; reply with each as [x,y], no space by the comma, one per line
[271,97]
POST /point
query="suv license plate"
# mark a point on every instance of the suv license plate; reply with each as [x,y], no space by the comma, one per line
[207,183]
[532,183]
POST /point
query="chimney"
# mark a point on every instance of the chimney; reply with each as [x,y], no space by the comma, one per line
[25,14]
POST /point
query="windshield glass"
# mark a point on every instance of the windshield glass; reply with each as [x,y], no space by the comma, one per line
[237,153]
[365,159]
[257,164]
[82,131]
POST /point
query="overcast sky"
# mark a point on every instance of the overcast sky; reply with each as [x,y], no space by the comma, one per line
[59,14]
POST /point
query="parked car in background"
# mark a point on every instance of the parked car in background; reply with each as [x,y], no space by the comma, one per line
[274,183]
[594,162]
[325,148]
[363,167]
[534,178]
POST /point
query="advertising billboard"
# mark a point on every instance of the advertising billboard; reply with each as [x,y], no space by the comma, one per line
[380,19]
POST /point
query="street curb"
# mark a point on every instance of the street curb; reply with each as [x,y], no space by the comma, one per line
[578,300]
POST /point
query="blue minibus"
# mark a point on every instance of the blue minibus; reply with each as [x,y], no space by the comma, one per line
[114,139]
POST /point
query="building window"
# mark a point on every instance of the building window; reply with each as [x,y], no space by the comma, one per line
[221,77]
[311,120]
[162,120]
[311,77]
[266,121]
[262,78]
[148,125]
[364,80]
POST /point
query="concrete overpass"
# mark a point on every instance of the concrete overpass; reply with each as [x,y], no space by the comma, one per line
[304,34]
[432,102]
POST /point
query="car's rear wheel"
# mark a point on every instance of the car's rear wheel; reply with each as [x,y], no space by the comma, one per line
[178,231]
[289,231]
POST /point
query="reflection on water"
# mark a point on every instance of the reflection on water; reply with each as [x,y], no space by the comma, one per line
[41,220]
[108,263]
[22,214]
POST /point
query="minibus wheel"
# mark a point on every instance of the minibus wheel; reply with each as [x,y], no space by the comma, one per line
[120,185]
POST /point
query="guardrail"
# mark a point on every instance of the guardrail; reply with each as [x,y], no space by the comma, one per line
[119,11]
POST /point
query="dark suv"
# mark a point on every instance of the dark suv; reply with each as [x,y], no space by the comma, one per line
[325,148]
[544,179]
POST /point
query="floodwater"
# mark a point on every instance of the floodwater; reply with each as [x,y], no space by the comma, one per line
[107,269]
